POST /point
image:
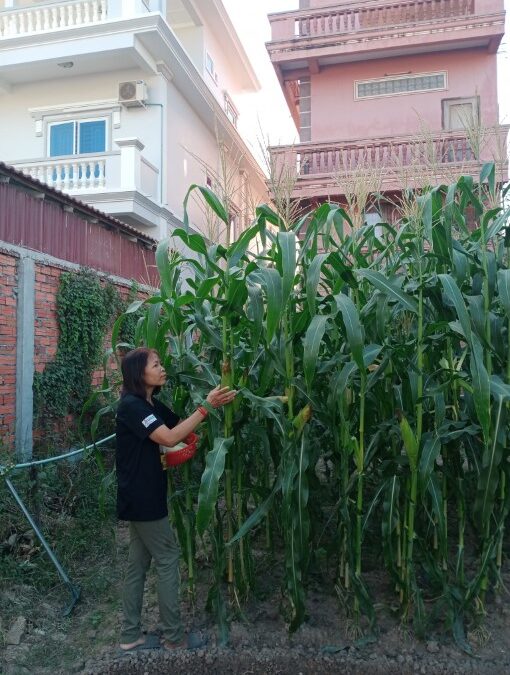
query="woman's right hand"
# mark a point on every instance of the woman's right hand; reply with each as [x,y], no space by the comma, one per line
[220,396]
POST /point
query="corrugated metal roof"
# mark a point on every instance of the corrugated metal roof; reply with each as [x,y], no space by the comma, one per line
[67,229]
[34,184]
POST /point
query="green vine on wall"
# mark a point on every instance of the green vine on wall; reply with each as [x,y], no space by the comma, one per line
[127,334]
[85,308]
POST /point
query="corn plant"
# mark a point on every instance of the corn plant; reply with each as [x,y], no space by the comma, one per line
[383,360]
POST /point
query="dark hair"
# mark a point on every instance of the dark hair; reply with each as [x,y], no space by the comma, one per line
[133,366]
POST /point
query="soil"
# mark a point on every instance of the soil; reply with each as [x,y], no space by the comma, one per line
[259,641]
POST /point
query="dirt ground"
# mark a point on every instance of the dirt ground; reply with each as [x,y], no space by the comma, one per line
[259,643]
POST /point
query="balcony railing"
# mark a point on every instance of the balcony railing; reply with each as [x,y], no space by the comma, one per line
[75,175]
[359,16]
[124,170]
[388,14]
[385,154]
[389,156]
[49,16]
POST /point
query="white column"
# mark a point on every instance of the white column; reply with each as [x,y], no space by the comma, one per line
[130,163]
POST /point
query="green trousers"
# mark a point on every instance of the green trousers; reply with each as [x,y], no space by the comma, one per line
[152,540]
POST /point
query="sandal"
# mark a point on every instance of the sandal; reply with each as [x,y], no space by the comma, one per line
[191,641]
[150,642]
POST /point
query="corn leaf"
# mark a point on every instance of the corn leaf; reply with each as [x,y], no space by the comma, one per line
[272,282]
[208,491]
[455,297]
[352,327]
[255,312]
[212,201]
[410,443]
[499,389]
[256,516]
[491,466]
[194,242]
[311,346]
[436,498]
[430,452]
[238,249]
[287,245]
[389,288]
[488,173]
[504,290]
[481,387]
[312,281]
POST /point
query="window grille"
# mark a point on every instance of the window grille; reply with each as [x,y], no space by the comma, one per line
[231,110]
[408,84]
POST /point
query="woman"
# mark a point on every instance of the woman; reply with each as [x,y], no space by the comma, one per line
[143,424]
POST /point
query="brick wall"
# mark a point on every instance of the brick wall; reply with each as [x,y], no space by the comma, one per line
[8,285]
[45,325]
[47,278]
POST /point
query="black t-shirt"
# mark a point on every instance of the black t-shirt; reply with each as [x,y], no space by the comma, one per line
[141,481]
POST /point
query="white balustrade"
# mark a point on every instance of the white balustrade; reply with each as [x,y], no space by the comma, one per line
[27,20]
[69,175]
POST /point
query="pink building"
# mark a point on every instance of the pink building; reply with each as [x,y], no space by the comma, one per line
[403,91]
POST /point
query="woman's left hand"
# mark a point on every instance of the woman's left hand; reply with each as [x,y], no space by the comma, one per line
[220,396]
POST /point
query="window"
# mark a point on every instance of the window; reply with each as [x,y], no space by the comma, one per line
[231,110]
[460,113]
[403,84]
[209,66]
[76,137]
[305,110]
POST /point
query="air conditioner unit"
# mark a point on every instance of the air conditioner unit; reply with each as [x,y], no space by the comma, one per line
[133,94]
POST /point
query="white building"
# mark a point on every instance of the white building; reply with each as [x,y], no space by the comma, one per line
[125,103]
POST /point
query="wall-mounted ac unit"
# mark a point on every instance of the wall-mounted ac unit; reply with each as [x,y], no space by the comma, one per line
[133,94]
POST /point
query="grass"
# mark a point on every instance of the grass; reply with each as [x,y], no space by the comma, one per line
[81,531]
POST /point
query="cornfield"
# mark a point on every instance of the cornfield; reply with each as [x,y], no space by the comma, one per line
[372,417]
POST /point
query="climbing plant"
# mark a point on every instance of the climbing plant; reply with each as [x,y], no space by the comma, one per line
[128,328]
[84,308]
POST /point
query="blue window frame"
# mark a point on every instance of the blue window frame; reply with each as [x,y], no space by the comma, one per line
[92,136]
[77,137]
[62,139]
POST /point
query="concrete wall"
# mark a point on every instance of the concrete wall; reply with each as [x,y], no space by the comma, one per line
[193,154]
[184,132]
[21,142]
[336,115]
[192,39]
[197,41]
[226,80]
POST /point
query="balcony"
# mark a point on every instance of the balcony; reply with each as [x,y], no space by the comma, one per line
[322,170]
[121,183]
[367,29]
[49,16]
[92,35]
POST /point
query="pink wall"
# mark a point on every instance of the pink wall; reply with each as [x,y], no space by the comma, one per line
[337,116]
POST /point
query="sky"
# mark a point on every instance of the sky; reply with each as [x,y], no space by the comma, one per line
[265,116]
